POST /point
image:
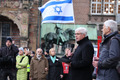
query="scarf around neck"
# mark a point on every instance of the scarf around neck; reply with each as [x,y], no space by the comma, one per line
[53,58]
[38,57]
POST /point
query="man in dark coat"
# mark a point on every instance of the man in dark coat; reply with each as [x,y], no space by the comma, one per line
[81,62]
[8,60]
[109,53]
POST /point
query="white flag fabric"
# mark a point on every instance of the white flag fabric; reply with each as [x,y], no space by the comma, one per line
[57,12]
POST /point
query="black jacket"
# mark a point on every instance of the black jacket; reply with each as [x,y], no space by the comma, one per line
[8,57]
[55,69]
[109,56]
[81,65]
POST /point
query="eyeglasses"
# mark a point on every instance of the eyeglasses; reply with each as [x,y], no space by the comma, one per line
[39,51]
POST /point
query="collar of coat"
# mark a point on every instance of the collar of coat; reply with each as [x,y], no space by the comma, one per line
[109,36]
[83,40]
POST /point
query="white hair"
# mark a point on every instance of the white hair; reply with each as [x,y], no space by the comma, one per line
[21,48]
[112,24]
[82,30]
[40,49]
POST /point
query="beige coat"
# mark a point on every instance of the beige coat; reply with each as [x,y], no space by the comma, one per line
[37,68]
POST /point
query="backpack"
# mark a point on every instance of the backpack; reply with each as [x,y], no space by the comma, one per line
[118,65]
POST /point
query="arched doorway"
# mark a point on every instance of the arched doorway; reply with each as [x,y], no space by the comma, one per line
[8,29]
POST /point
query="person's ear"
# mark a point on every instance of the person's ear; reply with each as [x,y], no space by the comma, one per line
[83,35]
[109,29]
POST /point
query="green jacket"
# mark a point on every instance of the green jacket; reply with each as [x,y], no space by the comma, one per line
[22,67]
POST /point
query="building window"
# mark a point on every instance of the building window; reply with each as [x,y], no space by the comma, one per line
[118,7]
[109,7]
[105,7]
[96,6]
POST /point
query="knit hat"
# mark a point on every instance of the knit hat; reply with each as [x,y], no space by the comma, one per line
[33,52]
[21,48]
[10,39]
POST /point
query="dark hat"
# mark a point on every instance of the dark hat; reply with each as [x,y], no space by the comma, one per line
[10,39]
[33,52]
[47,51]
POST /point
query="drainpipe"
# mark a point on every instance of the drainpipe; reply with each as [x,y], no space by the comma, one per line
[39,25]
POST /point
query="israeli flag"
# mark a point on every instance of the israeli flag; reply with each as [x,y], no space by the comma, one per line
[57,12]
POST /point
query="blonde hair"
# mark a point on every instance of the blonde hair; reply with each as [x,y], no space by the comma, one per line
[50,50]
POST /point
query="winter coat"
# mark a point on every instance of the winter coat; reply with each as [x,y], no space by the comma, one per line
[108,60]
[55,69]
[22,67]
[8,57]
[81,63]
[37,68]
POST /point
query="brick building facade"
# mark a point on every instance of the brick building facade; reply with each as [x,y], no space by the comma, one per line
[18,19]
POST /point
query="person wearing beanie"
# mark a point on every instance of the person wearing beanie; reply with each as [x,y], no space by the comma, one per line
[21,65]
[8,60]
[10,39]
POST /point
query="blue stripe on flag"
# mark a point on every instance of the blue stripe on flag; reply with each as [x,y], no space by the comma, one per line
[58,18]
[55,3]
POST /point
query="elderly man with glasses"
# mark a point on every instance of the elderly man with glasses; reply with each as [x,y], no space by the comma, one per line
[81,62]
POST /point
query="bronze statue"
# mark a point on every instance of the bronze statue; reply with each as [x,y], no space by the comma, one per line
[60,37]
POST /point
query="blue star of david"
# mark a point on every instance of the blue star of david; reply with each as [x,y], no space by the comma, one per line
[57,9]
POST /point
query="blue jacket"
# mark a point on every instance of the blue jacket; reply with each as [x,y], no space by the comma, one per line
[109,56]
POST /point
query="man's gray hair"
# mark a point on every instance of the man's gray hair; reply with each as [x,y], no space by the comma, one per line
[112,24]
[82,30]
[40,48]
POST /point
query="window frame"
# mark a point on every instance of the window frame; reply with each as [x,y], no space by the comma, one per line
[117,7]
[108,8]
[96,7]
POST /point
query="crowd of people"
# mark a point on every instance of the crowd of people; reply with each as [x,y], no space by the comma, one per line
[22,64]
